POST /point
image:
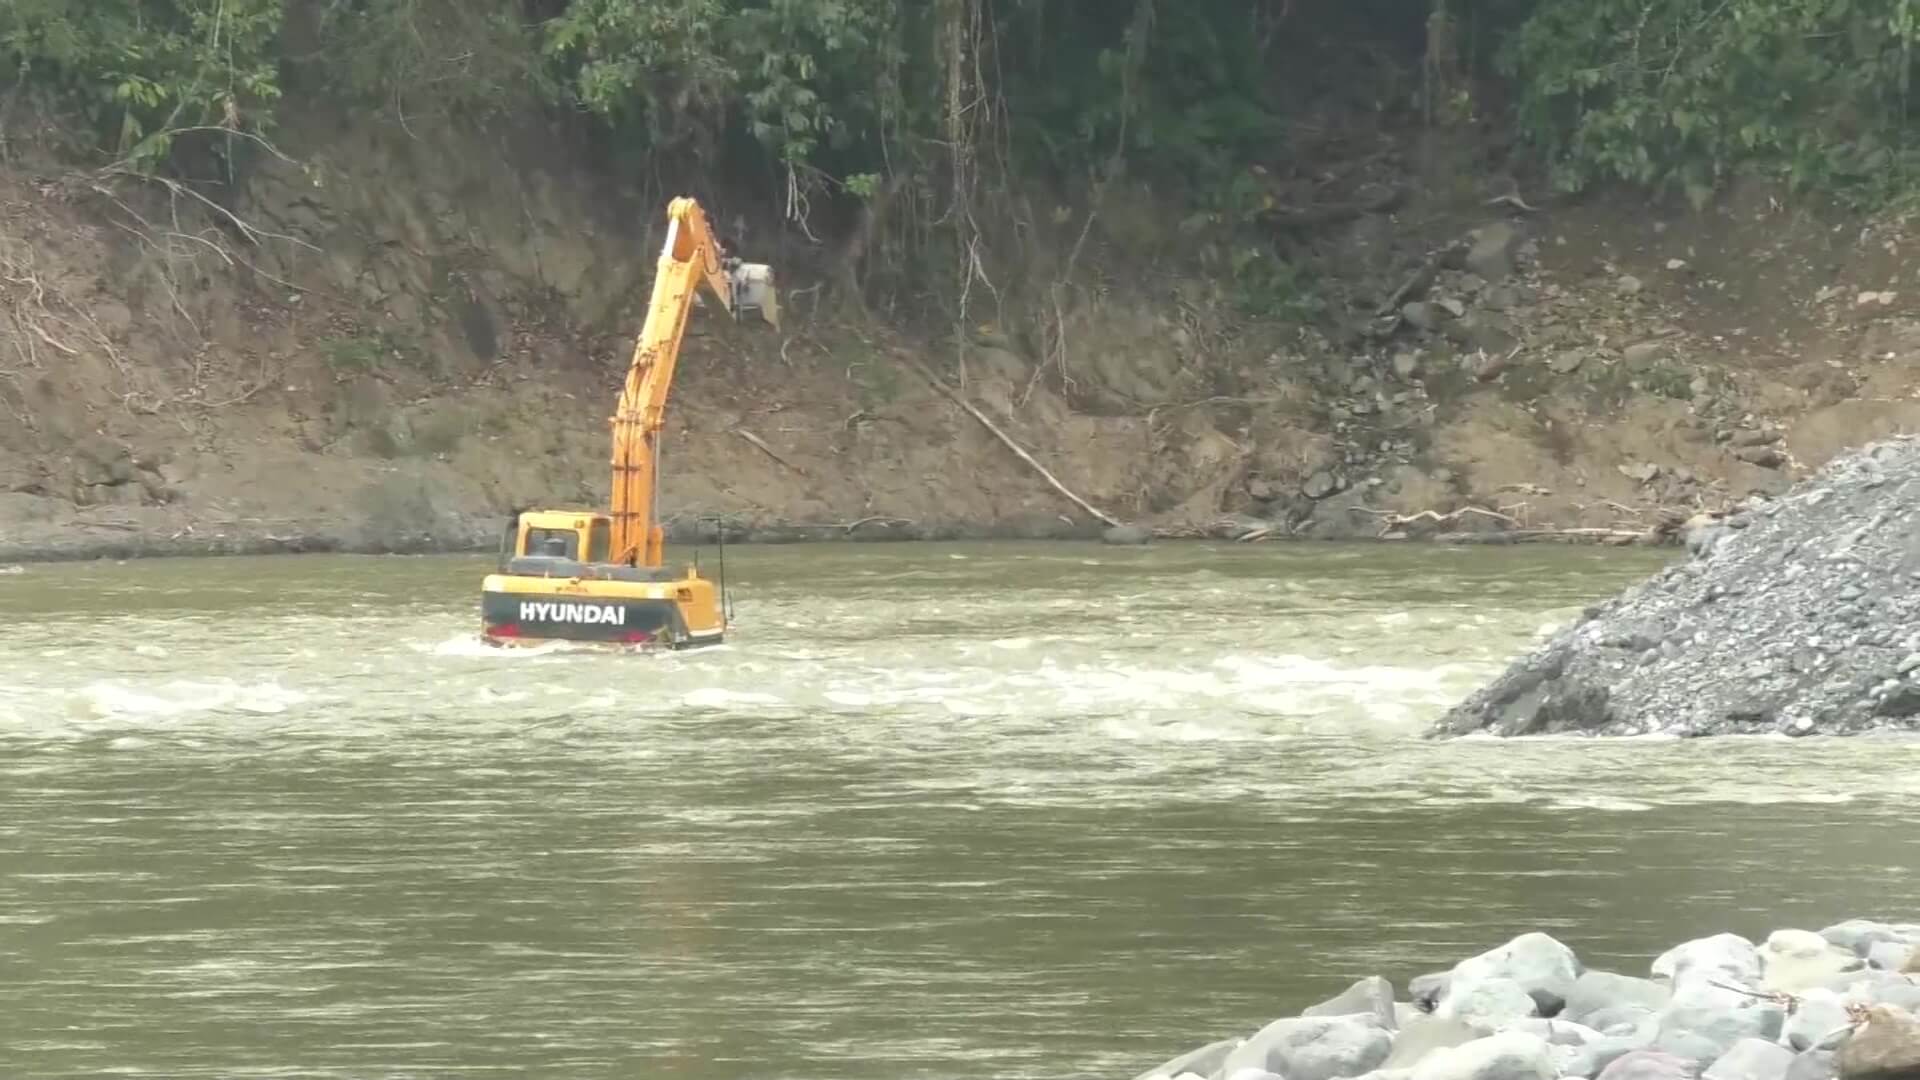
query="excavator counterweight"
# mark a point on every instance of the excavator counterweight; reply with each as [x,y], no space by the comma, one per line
[592,576]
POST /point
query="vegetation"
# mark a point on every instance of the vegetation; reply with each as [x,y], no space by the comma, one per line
[889,123]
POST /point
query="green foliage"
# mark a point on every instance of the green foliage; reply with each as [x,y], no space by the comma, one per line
[1679,93]
[798,74]
[142,71]
[420,58]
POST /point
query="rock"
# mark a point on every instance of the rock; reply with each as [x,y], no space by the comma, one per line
[1813,1065]
[1314,1048]
[1487,366]
[1594,1058]
[1648,1065]
[1546,969]
[1558,1032]
[1422,316]
[1755,437]
[1794,960]
[1424,1036]
[1644,356]
[1372,995]
[1890,956]
[1620,1019]
[1406,364]
[1486,1003]
[1566,362]
[1767,457]
[1820,1022]
[1597,991]
[1320,485]
[1904,995]
[1704,1023]
[1728,958]
[1425,991]
[1510,1056]
[1861,935]
[1204,1061]
[1751,1059]
[1630,285]
[1127,535]
[1491,255]
[1887,1047]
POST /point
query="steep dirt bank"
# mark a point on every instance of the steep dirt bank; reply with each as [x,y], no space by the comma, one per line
[414,332]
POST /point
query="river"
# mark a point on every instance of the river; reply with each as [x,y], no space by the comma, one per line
[972,811]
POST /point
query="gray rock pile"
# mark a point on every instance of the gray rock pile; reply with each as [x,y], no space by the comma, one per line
[1798,1006]
[1798,615]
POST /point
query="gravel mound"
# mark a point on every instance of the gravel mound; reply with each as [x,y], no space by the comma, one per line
[1798,615]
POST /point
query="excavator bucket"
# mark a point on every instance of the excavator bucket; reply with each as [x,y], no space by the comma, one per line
[754,290]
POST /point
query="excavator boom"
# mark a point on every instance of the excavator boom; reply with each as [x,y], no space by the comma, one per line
[690,258]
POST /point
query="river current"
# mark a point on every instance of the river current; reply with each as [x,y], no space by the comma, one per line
[970,811]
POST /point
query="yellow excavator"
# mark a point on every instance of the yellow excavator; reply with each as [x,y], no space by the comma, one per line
[582,575]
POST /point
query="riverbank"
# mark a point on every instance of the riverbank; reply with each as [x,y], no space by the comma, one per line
[178,536]
[1799,1005]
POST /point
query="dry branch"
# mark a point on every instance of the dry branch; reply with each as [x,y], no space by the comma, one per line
[767,450]
[1018,450]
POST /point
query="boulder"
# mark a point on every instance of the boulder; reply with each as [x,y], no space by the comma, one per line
[1314,1048]
[1544,968]
[1491,255]
[1558,1032]
[1425,991]
[1727,958]
[1510,1056]
[1648,1065]
[1127,535]
[1813,1065]
[1820,1021]
[1490,1004]
[1886,1047]
[1890,956]
[1705,1023]
[1620,1019]
[1860,935]
[1423,1036]
[1594,1058]
[1373,995]
[1599,991]
[1751,1059]
[1795,960]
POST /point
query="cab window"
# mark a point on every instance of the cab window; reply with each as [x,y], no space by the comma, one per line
[553,543]
[599,539]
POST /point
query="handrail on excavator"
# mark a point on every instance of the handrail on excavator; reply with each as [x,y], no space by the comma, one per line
[691,256]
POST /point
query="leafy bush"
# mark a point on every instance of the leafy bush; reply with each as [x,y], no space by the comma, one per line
[1678,93]
[144,71]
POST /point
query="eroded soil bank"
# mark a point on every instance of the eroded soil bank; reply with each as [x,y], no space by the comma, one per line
[367,351]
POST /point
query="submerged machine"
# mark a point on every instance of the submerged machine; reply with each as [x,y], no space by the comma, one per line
[583,575]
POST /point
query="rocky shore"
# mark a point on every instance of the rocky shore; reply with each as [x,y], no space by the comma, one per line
[1797,1006]
[1798,615]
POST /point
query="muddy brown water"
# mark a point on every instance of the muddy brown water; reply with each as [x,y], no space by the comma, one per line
[1015,811]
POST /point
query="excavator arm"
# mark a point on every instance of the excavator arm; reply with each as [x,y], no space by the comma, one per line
[690,258]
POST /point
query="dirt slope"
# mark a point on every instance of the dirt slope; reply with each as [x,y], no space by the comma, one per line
[391,342]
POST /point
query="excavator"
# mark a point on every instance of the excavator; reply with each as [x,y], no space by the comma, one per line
[588,576]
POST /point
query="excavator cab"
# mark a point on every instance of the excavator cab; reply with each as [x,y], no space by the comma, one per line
[555,539]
